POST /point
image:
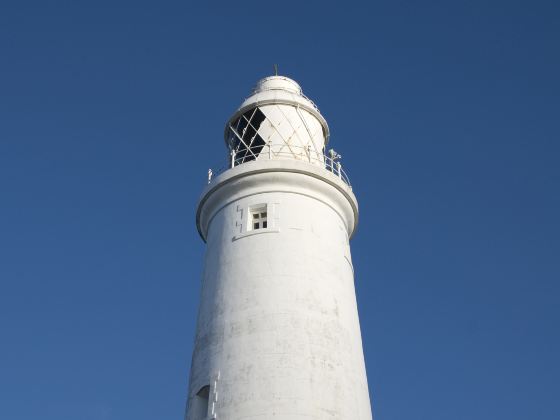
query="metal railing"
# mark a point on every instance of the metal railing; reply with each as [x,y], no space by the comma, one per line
[270,151]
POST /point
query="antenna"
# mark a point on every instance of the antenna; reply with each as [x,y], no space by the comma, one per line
[276,69]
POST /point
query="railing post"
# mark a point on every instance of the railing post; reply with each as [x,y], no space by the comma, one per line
[209,175]
[269,150]
[309,152]
[339,170]
[232,158]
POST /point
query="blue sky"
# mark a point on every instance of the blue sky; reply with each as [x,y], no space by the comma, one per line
[446,115]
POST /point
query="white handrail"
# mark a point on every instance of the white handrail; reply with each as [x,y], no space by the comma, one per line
[275,152]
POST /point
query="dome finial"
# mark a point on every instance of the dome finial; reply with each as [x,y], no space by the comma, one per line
[276,69]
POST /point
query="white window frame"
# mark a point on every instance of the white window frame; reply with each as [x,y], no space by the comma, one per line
[258,218]
[245,223]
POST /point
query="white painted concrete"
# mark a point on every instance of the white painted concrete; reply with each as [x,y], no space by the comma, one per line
[278,333]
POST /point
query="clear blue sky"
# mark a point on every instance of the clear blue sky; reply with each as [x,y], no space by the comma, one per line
[446,114]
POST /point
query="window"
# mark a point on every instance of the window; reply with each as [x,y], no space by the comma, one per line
[199,408]
[259,218]
[256,218]
[244,139]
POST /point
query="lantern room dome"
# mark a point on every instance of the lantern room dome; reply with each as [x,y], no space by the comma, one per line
[274,91]
[277,83]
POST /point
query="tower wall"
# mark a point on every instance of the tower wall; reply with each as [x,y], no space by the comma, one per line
[278,332]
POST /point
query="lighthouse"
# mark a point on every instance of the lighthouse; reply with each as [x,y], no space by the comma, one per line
[278,333]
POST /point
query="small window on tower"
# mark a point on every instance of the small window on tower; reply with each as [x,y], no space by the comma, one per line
[258,218]
[200,402]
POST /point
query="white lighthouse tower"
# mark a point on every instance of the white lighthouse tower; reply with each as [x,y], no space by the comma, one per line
[278,334]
